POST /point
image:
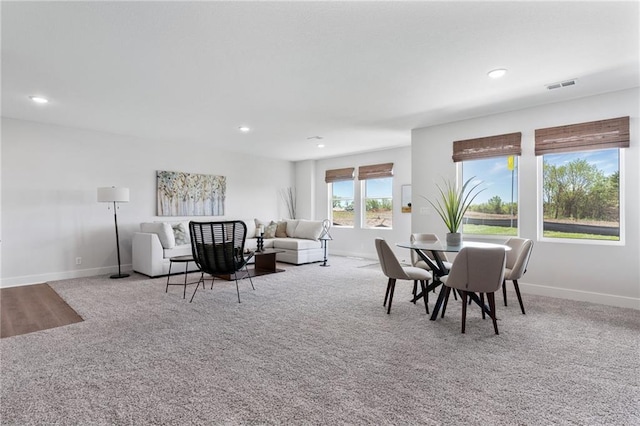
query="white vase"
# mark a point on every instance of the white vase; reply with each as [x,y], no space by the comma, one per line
[454,238]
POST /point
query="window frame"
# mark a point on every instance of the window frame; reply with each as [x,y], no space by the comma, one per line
[584,241]
[460,178]
[363,203]
[330,203]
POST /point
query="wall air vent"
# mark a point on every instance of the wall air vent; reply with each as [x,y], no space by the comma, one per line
[562,84]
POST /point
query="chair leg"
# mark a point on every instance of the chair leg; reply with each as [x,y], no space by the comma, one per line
[455,296]
[423,284]
[392,282]
[198,285]
[464,309]
[415,290]
[237,288]
[249,275]
[492,305]
[504,291]
[517,287]
[447,291]
[386,295]
[482,305]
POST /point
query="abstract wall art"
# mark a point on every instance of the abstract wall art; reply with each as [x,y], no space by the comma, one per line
[190,194]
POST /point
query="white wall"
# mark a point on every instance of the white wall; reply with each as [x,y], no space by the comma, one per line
[50,214]
[305,189]
[599,273]
[357,241]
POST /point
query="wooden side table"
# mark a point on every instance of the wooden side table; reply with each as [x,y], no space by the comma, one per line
[181,259]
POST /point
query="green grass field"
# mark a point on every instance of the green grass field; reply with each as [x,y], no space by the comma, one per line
[499,230]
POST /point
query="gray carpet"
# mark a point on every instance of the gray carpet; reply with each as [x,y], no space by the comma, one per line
[314,345]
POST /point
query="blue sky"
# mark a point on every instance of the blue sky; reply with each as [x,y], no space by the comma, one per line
[496,177]
[377,188]
[494,174]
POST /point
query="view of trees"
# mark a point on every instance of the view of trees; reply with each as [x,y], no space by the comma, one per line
[495,205]
[580,191]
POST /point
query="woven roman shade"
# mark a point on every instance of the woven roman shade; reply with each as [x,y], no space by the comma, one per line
[491,146]
[612,133]
[375,171]
[337,175]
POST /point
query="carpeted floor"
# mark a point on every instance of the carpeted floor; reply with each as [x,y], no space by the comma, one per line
[315,346]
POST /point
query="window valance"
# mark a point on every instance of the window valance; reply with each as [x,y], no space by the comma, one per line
[337,175]
[375,171]
[490,146]
[612,133]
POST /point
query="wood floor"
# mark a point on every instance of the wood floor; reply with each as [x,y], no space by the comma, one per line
[30,308]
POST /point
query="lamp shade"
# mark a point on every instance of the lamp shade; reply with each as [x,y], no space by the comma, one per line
[113,194]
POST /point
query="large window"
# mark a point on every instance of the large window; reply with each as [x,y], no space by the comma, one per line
[495,210]
[378,203]
[581,195]
[342,212]
[377,195]
[580,179]
[341,196]
[493,162]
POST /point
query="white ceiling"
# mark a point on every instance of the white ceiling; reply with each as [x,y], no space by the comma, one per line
[359,74]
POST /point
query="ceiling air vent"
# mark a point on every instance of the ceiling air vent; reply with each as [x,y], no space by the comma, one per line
[561,84]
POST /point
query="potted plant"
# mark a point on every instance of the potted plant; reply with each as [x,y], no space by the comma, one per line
[452,206]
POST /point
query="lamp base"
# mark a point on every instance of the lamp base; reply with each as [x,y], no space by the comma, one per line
[115,276]
[324,265]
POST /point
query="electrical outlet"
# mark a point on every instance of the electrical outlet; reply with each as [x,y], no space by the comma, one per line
[78,261]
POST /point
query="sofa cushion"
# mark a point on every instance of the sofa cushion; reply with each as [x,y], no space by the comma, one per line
[309,229]
[163,230]
[291,227]
[180,250]
[270,230]
[295,244]
[281,230]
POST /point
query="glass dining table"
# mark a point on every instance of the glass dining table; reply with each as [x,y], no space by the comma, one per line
[438,269]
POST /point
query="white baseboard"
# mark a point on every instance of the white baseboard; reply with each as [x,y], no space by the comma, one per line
[579,295]
[55,276]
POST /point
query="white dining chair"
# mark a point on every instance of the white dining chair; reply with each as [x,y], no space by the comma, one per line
[392,268]
[516,266]
[477,270]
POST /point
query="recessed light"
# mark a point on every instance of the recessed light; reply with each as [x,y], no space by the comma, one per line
[500,72]
[320,145]
[39,99]
[244,129]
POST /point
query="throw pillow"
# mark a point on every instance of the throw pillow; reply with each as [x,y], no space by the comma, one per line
[164,232]
[181,233]
[270,230]
[281,230]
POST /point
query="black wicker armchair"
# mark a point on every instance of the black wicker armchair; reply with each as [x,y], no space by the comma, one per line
[218,249]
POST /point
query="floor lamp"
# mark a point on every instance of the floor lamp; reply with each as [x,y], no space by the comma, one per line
[324,239]
[115,195]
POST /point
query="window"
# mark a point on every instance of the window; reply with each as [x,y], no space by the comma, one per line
[378,203]
[495,210]
[493,161]
[342,213]
[581,179]
[377,195]
[341,196]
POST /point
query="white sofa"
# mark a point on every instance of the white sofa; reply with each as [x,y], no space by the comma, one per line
[157,242]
